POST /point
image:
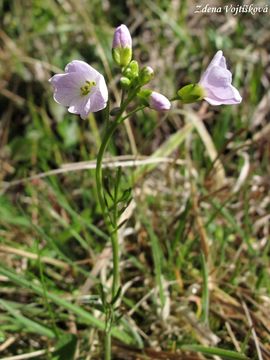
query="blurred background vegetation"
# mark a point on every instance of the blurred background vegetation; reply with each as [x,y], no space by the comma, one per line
[209,186]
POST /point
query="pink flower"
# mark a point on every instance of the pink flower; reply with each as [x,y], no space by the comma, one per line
[159,102]
[122,37]
[217,83]
[81,88]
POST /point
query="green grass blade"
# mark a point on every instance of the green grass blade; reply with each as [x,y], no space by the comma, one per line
[205,292]
[157,258]
[224,354]
[83,314]
[30,325]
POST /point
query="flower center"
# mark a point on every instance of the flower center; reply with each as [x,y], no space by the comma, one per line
[87,87]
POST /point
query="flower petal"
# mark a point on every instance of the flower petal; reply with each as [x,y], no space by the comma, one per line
[222,92]
[218,60]
[80,105]
[212,101]
[86,109]
[97,101]
[222,62]
[82,67]
[66,87]
[217,102]
[99,96]
[214,98]
[237,96]
[101,84]
[217,82]
[218,76]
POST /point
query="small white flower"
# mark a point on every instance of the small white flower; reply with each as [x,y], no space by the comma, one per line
[81,88]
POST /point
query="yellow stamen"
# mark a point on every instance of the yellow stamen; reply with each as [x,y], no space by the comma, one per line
[87,87]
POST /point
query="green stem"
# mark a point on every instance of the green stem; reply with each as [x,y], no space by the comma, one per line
[100,192]
[133,112]
[111,129]
[112,228]
[205,293]
[113,233]
[108,345]
[116,272]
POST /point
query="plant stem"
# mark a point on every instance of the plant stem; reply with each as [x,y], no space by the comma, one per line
[113,232]
[112,228]
[108,345]
[100,192]
[205,293]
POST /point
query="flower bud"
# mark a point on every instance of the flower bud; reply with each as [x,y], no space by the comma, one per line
[125,82]
[132,70]
[122,46]
[159,102]
[191,93]
[146,74]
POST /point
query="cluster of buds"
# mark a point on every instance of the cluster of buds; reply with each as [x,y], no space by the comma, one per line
[135,77]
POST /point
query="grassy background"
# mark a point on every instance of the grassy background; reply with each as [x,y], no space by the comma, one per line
[209,187]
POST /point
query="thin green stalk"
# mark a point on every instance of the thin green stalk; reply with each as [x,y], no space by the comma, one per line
[205,292]
[113,232]
[116,273]
[108,345]
[112,228]
[133,112]
[100,192]
[223,353]
[116,278]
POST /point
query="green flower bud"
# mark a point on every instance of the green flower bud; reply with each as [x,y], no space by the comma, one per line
[122,46]
[132,70]
[146,75]
[121,56]
[125,82]
[154,100]
[191,93]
